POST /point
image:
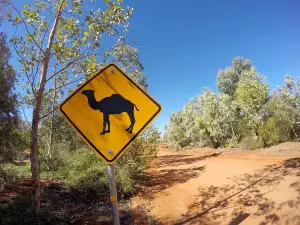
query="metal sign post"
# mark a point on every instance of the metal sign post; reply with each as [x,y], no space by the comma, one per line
[113,194]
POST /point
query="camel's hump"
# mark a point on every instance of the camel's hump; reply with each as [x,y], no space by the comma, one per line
[117,96]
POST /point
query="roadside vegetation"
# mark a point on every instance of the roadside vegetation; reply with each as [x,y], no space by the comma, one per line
[55,53]
[48,175]
[243,114]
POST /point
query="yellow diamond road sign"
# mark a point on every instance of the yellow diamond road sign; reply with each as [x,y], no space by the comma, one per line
[109,111]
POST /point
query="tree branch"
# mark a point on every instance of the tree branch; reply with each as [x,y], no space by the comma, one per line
[48,113]
[67,66]
[53,30]
[27,28]
[31,84]
[38,67]
[25,117]
[56,88]
[55,73]
[77,17]
[71,82]
[27,76]
[46,59]
[43,39]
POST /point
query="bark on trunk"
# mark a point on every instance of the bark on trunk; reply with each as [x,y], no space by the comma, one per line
[294,130]
[49,153]
[35,171]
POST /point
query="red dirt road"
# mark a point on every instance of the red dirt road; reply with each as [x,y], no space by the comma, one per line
[232,187]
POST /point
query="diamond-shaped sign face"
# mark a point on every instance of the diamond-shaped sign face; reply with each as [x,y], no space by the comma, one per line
[109,111]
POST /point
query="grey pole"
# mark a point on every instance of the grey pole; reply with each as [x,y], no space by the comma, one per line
[113,194]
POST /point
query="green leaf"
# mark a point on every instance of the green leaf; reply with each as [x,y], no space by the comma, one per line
[87,18]
[92,65]
[77,42]
[91,28]
[18,19]
[86,34]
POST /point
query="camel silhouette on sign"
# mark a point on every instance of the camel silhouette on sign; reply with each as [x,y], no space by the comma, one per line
[114,104]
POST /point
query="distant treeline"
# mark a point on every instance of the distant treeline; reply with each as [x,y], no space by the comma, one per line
[242,115]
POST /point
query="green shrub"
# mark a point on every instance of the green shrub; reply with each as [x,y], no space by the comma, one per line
[9,172]
[21,169]
[131,165]
[85,170]
[13,149]
[251,142]
[233,143]
[274,131]
[51,164]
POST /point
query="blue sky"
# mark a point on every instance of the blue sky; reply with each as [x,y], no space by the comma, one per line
[183,44]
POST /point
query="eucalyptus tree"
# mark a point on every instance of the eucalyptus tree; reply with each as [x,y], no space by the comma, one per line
[61,41]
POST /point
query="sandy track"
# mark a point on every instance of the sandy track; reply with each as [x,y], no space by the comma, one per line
[232,187]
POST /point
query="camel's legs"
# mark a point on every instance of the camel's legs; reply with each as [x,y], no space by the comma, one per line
[132,120]
[108,124]
[105,121]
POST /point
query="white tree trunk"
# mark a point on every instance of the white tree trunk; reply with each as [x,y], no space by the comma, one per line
[49,153]
[35,171]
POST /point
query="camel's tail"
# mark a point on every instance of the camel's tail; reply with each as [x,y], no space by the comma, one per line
[136,107]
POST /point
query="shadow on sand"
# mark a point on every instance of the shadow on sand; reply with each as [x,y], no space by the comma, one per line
[161,179]
[249,190]
[177,160]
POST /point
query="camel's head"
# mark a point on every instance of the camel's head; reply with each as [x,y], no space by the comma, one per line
[88,92]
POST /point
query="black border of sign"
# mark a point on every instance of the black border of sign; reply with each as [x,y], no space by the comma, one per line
[79,131]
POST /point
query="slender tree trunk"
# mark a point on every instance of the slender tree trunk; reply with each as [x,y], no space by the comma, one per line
[35,171]
[49,153]
[291,124]
[233,133]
